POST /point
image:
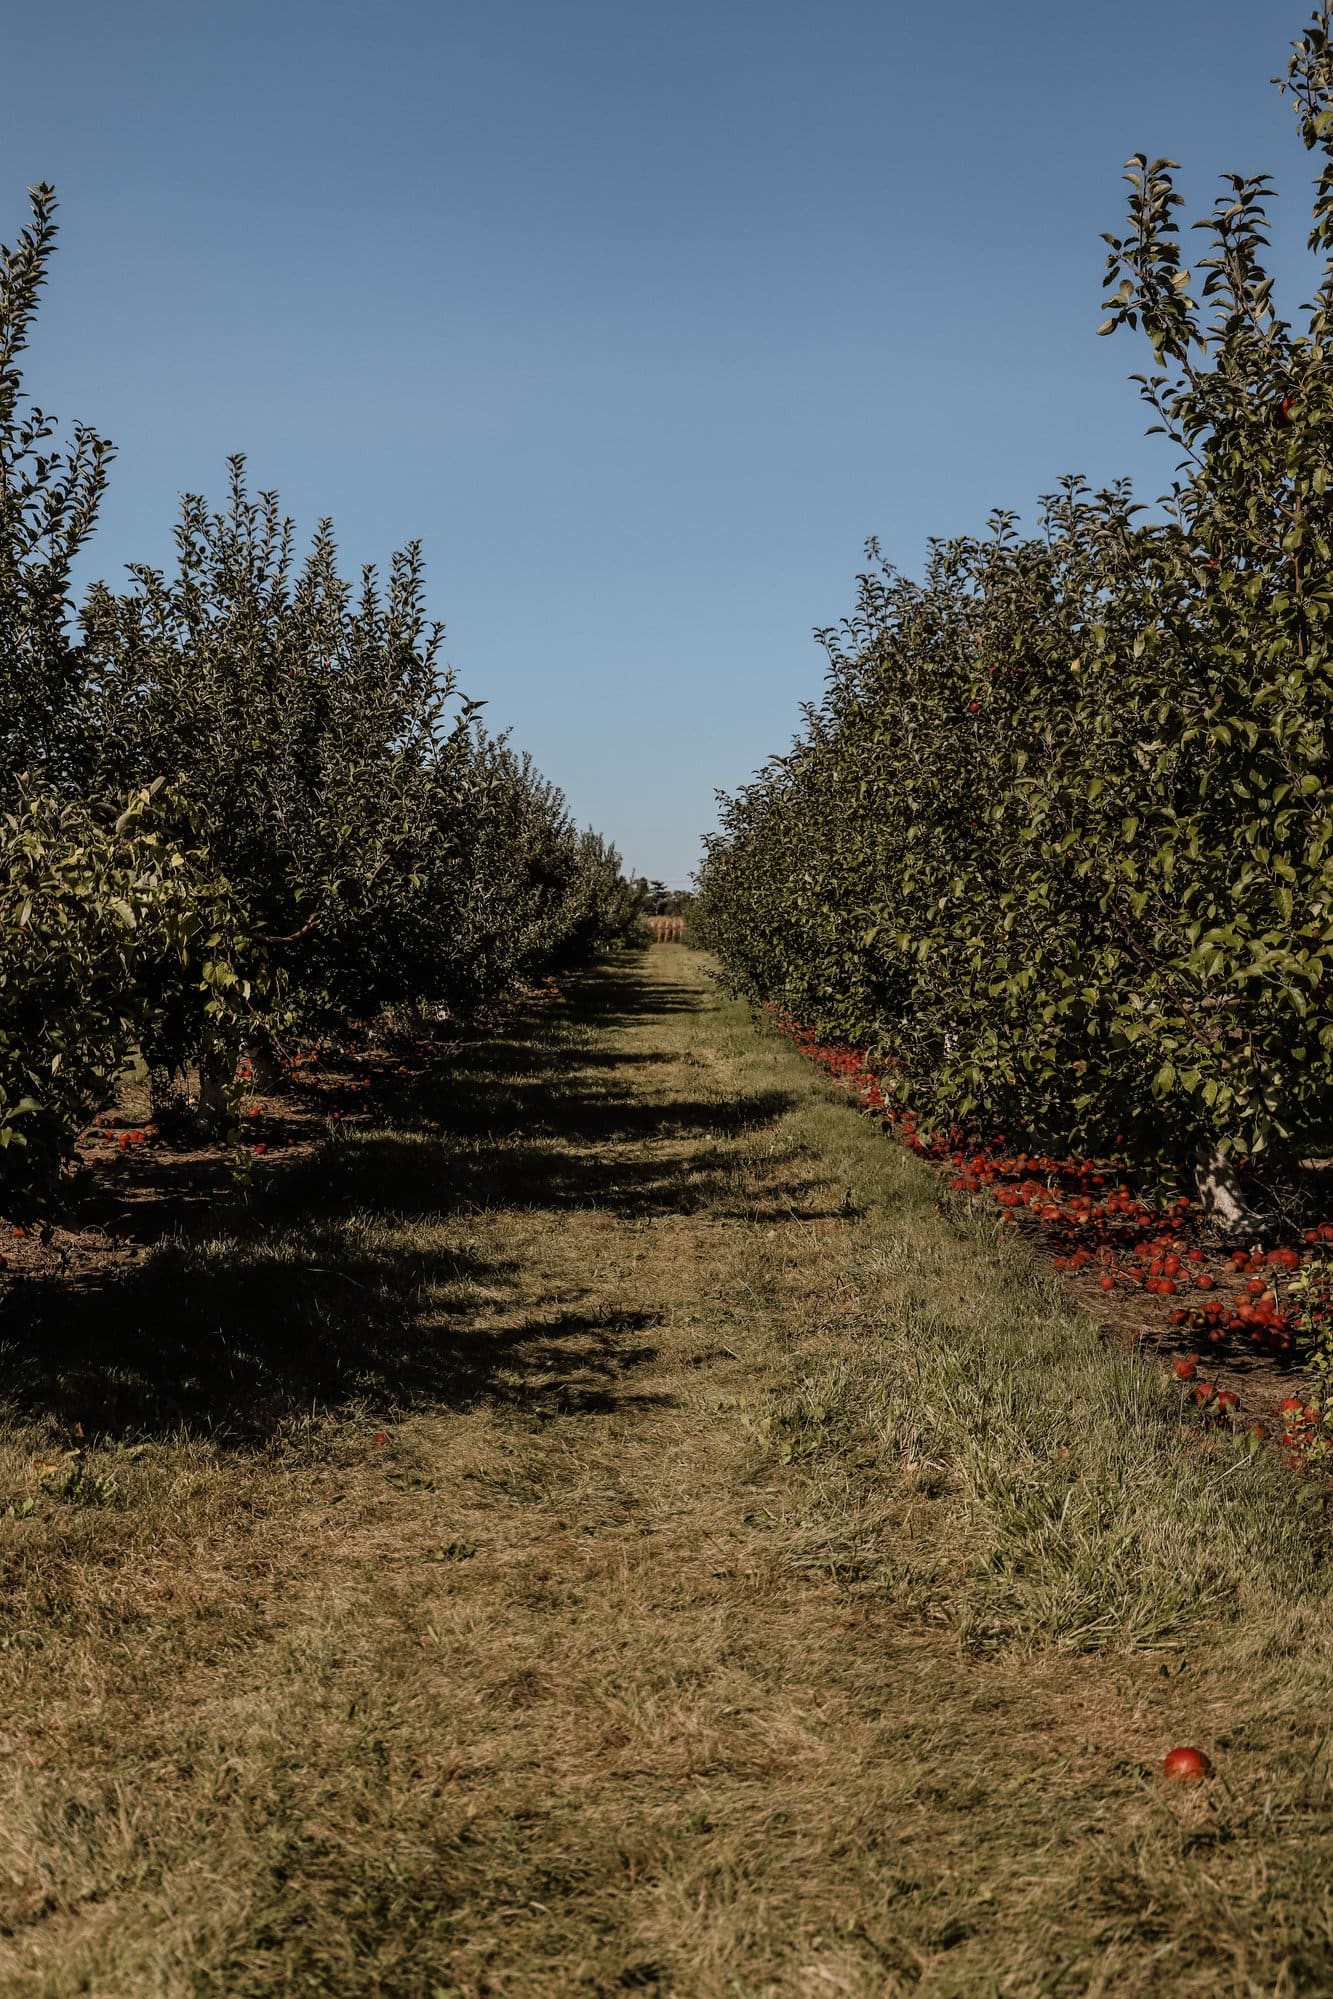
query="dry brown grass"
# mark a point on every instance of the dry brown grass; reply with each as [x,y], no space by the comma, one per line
[764,1585]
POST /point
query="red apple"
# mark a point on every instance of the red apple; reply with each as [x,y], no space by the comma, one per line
[1186,1766]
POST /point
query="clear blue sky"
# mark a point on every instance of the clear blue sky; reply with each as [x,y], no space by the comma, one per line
[641,317]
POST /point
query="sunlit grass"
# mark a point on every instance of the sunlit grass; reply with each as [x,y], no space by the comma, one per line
[620,1529]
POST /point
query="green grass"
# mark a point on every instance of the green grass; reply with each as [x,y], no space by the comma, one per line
[766,1584]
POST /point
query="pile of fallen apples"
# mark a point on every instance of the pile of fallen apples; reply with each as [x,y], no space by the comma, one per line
[1093,1221]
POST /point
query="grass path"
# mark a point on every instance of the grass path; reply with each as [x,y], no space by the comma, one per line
[710,1567]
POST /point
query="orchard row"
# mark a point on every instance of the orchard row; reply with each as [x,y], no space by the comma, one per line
[242,801]
[1056,845]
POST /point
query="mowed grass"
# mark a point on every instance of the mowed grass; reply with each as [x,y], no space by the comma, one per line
[614,1530]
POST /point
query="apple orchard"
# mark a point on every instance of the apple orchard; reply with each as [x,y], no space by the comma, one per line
[1054,851]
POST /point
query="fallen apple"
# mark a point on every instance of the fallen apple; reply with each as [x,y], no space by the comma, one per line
[1186,1766]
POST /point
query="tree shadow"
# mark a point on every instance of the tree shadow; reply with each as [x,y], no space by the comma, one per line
[333,1286]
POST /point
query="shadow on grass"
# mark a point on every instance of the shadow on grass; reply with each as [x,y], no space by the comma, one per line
[343,1282]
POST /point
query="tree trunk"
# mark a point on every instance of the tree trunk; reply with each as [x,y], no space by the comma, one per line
[265,1070]
[1221,1198]
[166,1093]
[215,1079]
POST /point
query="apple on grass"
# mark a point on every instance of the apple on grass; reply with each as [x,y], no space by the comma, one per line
[1186,1766]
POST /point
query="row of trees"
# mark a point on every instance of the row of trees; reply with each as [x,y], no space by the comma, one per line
[1058,840]
[241,800]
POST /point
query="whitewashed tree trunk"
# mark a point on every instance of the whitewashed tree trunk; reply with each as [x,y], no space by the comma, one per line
[1220,1196]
